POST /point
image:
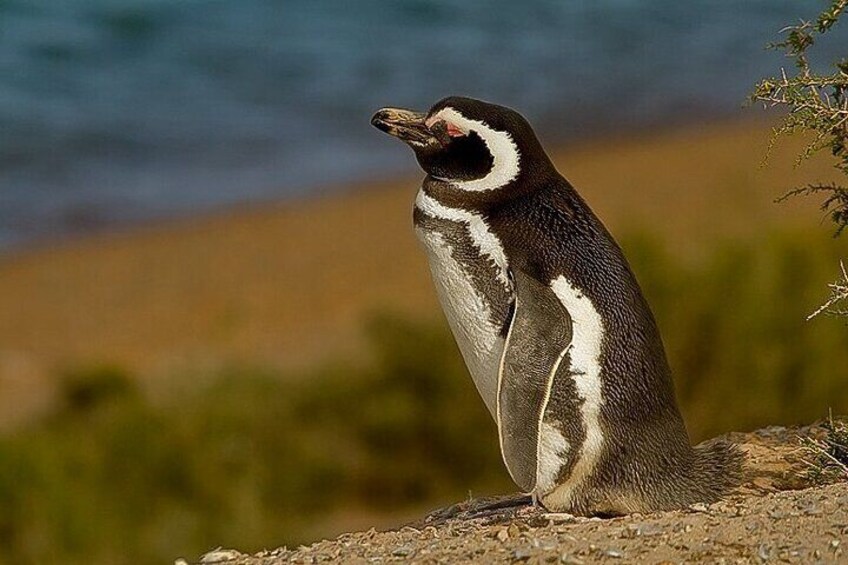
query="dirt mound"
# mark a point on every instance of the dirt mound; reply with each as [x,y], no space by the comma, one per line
[778,514]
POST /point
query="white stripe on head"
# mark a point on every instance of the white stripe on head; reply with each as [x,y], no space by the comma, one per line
[505,155]
[484,239]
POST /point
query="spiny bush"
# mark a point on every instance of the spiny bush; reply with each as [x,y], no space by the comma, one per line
[816,103]
[827,457]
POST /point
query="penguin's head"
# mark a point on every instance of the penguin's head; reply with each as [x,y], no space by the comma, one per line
[473,146]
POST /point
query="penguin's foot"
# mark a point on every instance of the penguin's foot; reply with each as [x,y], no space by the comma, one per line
[493,510]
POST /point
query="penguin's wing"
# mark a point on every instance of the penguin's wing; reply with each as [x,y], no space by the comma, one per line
[538,337]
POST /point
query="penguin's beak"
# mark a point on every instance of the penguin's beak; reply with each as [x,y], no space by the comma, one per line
[406,125]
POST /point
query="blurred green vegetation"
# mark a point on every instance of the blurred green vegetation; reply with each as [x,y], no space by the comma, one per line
[253,459]
[736,334]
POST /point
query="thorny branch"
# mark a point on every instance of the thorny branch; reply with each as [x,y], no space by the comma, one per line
[827,457]
[838,293]
[817,103]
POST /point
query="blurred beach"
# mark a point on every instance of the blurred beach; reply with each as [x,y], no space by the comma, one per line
[290,285]
[216,324]
[119,111]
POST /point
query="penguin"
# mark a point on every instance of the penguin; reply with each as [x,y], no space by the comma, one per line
[550,321]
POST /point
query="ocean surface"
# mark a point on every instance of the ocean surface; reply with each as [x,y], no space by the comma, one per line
[118,111]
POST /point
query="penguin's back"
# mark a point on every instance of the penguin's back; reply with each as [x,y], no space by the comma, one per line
[634,452]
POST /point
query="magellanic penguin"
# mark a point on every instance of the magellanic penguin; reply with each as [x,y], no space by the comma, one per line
[550,320]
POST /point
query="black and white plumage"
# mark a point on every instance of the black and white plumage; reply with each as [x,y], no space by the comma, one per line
[550,320]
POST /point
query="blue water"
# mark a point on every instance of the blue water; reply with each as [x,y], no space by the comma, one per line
[113,111]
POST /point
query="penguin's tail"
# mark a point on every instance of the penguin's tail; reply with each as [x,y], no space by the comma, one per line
[717,469]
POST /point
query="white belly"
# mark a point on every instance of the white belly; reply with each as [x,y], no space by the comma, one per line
[468,315]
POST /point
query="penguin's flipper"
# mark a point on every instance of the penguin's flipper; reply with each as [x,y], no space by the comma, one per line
[536,342]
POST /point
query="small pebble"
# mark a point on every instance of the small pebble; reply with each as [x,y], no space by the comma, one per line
[647,529]
[558,517]
[402,551]
[547,545]
[220,556]
[764,552]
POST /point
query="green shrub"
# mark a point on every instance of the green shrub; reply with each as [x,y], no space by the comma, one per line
[735,329]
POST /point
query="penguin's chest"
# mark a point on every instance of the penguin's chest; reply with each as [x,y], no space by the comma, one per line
[474,293]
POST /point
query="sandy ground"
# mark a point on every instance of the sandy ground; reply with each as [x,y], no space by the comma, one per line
[287,285]
[776,516]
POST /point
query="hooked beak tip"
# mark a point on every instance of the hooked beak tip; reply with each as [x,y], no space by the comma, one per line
[378,120]
[406,125]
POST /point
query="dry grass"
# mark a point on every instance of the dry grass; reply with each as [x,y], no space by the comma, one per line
[827,456]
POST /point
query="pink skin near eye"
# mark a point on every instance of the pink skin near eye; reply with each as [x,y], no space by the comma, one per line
[452,130]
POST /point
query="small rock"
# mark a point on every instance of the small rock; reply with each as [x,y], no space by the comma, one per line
[558,517]
[402,551]
[834,543]
[513,530]
[220,556]
[547,545]
[699,507]
[764,552]
[568,559]
[614,553]
[646,529]
[522,554]
[502,535]
[180,561]
[809,508]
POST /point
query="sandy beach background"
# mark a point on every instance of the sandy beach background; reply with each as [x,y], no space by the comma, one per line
[288,284]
